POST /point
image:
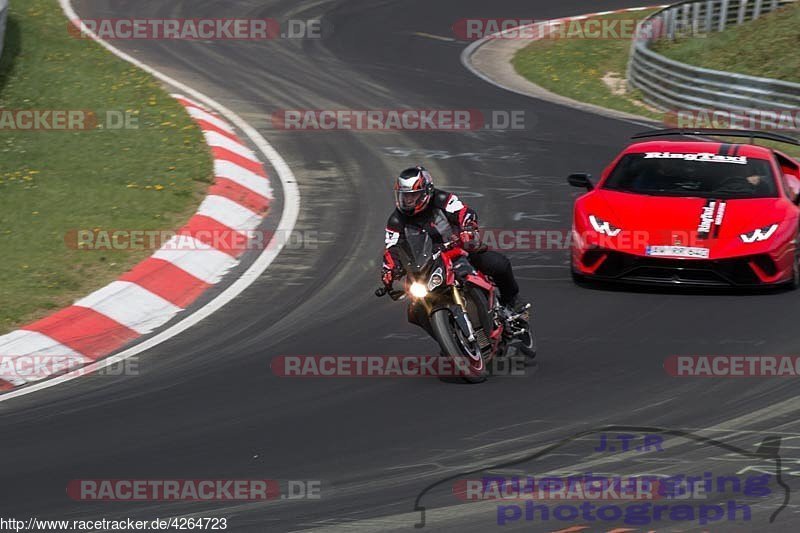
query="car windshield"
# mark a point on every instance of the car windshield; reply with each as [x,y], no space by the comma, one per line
[703,175]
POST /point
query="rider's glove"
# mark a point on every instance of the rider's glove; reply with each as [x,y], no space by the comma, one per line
[390,276]
[387,278]
[470,237]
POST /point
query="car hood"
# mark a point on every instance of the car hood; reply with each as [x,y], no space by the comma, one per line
[663,215]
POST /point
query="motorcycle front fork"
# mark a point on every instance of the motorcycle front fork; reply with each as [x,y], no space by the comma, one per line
[498,316]
[467,323]
[458,299]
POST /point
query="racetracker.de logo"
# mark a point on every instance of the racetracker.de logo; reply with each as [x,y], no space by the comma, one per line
[587,488]
[176,29]
[385,366]
[733,366]
[376,120]
[21,369]
[787,120]
[231,240]
[473,29]
[193,490]
[67,120]
[47,120]
[173,489]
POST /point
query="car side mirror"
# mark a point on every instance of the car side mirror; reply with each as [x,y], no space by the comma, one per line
[581,180]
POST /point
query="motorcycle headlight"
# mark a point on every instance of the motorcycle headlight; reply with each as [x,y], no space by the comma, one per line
[760,234]
[436,279]
[418,290]
[603,227]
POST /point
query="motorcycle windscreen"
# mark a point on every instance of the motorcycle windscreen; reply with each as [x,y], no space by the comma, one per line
[417,249]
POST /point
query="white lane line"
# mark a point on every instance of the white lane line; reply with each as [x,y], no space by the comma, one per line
[291,210]
[131,305]
[433,36]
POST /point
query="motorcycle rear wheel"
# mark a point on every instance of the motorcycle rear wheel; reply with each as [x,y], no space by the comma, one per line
[527,344]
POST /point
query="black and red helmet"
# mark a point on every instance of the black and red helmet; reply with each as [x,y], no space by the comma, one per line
[413,190]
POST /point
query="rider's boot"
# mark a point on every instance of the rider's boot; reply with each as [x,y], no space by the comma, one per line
[516,308]
[517,316]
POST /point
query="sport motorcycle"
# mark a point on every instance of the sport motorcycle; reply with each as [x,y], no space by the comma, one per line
[458,305]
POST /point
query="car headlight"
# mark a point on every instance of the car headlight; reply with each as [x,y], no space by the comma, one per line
[601,226]
[760,234]
[436,279]
[418,290]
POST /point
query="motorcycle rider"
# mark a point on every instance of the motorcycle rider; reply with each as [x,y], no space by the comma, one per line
[419,203]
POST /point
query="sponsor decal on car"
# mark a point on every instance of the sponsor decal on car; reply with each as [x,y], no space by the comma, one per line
[678,251]
[711,218]
[703,157]
[759,235]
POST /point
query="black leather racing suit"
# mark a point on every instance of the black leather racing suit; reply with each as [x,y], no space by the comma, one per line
[446,213]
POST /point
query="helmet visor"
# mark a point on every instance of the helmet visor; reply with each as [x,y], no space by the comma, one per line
[409,200]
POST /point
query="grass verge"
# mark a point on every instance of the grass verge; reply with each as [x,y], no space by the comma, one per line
[593,70]
[51,182]
[576,68]
[765,47]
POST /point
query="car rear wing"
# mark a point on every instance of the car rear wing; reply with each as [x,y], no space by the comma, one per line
[750,134]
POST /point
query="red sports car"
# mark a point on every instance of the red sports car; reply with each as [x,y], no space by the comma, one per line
[693,212]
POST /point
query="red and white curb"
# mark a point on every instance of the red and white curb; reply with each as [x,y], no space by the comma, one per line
[158,288]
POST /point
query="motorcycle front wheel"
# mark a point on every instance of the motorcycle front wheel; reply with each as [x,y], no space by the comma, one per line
[465,355]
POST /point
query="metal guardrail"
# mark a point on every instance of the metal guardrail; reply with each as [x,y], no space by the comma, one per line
[3,18]
[672,85]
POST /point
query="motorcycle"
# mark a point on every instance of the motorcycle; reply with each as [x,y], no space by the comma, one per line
[458,305]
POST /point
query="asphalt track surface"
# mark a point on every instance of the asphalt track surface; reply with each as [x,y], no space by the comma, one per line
[206,404]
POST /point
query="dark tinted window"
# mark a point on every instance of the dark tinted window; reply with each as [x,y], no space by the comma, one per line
[704,175]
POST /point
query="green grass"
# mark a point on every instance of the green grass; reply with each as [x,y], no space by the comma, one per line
[52,182]
[575,68]
[766,47]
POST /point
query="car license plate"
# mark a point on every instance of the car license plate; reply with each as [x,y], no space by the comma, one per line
[678,251]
